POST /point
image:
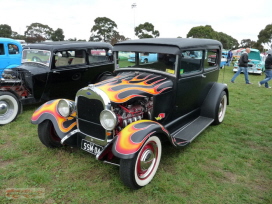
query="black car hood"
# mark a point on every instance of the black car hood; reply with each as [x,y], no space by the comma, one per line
[128,85]
[33,68]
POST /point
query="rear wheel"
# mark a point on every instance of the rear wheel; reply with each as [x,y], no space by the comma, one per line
[140,170]
[48,135]
[221,108]
[9,107]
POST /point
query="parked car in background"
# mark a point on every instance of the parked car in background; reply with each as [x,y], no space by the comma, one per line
[51,70]
[223,62]
[256,65]
[125,119]
[10,53]
[144,57]
[237,53]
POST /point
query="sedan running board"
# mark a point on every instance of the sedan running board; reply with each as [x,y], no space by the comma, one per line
[188,133]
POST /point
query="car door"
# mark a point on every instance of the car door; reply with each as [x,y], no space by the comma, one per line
[189,85]
[65,75]
[211,72]
[14,53]
[188,88]
[3,57]
[75,69]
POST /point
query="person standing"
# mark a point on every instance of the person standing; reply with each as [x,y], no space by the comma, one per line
[242,66]
[229,58]
[268,72]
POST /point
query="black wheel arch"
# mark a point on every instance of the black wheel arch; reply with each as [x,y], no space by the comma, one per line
[209,104]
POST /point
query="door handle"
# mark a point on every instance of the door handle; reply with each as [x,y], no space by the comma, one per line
[203,76]
[55,72]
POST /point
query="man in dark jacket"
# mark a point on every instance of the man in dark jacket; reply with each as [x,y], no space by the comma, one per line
[242,66]
[229,58]
[268,72]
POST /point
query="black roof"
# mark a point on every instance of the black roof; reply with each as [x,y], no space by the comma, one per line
[67,45]
[181,43]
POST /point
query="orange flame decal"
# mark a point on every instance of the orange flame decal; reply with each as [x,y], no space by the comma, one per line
[131,138]
[124,87]
[49,111]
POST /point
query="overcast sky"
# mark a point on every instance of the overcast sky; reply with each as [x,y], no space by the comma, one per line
[240,19]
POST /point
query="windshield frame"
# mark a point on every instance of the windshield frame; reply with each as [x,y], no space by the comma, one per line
[140,64]
[38,56]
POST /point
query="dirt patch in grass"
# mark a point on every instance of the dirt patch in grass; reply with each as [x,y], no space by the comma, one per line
[4,164]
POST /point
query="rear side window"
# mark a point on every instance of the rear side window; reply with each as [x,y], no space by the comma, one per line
[70,57]
[190,61]
[211,59]
[2,50]
[13,49]
[98,55]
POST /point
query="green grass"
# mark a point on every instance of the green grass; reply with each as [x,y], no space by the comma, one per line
[229,163]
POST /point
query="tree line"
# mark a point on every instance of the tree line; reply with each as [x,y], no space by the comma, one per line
[105,30]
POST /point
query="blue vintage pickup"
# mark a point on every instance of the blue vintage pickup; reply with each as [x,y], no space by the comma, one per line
[10,54]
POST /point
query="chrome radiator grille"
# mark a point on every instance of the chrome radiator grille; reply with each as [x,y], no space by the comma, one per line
[88,112]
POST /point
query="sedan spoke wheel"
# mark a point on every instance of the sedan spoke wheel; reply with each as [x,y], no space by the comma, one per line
[222,108]
[9,107]
[146,161]
[140,170]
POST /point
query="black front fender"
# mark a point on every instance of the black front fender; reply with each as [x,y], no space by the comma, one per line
[130,140]
[48,111]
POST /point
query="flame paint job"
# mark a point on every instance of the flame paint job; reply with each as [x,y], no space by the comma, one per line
[133,136]
[48,111]
[126,86]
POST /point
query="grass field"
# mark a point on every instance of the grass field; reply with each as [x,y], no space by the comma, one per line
[229,163]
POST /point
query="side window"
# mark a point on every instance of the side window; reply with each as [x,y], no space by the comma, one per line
[13,49]
[2,50]
[211,58]
[78,58]
[190,61]
[69,57]
[98,55]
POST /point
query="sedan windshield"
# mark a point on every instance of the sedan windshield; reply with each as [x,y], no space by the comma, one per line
[37,56]
[157,61]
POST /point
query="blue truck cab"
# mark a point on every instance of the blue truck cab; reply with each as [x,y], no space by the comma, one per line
[10,54]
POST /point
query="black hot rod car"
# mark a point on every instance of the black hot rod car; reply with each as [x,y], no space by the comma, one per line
[52,70]
[126,117]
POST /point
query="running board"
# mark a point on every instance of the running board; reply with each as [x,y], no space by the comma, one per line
[187,134]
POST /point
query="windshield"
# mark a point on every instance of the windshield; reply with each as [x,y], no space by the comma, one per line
[37,56]
[155,61]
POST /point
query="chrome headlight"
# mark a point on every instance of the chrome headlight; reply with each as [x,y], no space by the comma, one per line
[108,119]
[65,107]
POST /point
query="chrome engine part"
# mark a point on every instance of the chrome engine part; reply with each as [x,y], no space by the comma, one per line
[128,113]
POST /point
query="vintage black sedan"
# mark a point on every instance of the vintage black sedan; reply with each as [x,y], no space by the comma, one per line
[126,119]
[52,70]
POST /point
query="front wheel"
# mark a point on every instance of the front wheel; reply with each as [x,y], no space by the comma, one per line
[9,107]
[48,135]
[220,108]
[140,170]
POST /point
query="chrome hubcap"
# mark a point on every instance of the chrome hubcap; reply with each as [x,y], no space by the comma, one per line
[221,108]
[147,160]
[3,107]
